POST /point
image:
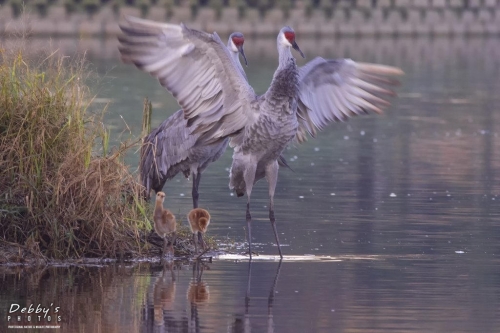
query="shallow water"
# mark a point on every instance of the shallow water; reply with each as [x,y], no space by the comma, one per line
[400,210]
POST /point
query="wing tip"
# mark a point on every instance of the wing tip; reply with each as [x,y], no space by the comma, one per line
[134,20]
[379,69]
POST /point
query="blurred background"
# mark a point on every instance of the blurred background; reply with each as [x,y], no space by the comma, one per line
[259,17]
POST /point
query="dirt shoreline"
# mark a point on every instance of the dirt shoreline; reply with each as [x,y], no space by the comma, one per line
[14,255]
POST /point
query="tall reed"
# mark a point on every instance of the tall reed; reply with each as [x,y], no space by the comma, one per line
[62,193]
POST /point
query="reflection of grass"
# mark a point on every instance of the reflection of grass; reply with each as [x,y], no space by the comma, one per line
[88,297]
[60,197]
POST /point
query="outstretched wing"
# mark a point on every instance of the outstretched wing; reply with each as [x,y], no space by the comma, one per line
[334,89]
[197,69]
[165,151]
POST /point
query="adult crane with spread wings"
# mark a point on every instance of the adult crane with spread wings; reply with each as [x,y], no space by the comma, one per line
[218,102]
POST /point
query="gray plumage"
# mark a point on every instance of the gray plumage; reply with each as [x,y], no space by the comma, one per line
[170,148]
[218,102]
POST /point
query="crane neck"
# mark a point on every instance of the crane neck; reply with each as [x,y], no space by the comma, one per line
[158,206]
[285,56]
[236,59]
[285,85]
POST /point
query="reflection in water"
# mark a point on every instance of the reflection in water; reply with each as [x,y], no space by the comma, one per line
[164,294]
[244,326]
[393,294]
[197,295]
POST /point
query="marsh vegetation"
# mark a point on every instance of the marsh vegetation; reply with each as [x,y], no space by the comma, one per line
[64,192]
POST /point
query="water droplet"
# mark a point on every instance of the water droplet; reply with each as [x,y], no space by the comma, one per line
[346,137]
[375,140]
[362,132]
[392,195]
[459,252]
[182,194]
[301,197]
[332,193]
[316,149]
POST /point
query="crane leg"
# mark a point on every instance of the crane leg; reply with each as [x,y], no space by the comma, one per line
[202,241]
[272,179]
[174,237]
[195,241]
[165,241]
[194,192]
[249,175]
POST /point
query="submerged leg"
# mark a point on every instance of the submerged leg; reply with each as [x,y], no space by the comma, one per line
[194,192]
[272,179]
[249,176]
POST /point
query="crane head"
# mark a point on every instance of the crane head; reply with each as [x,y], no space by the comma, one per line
[289,39]
[236,41]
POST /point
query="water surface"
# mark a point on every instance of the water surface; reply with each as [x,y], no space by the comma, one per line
[404,204]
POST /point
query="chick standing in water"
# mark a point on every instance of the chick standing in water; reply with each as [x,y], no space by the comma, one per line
[164,222]
[199,219]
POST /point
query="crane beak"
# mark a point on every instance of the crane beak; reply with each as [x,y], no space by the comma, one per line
[296,47]
[240,49]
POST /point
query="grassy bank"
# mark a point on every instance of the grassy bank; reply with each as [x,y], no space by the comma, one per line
[62,192]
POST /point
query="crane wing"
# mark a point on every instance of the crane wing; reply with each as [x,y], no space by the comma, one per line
[164,147]
[197,69]
[335,89]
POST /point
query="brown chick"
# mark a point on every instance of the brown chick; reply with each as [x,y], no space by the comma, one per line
[165,223]
[199,219]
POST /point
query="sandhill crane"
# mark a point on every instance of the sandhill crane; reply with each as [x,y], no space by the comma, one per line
[164,222]
[170,148]
[218,102]
[199,219]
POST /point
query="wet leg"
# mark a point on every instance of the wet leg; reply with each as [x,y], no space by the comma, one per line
[249,176]
[272,179]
